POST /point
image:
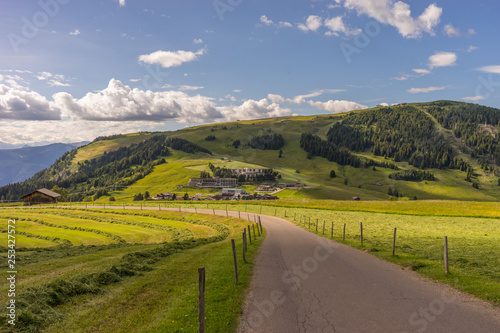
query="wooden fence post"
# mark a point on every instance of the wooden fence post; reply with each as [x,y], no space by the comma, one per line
[294,216]
[244,244]
[323,227]
[446,270]
[275,211]
[201,299]
[239,214]
[213,210]
[258,230]
[361,230]
[253,228]
[317,221]
[249,235]
[343,234]
[235,261]
[331,236]
[394,242]
[285,212]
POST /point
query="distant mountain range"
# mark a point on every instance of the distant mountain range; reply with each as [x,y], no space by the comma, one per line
[17,165]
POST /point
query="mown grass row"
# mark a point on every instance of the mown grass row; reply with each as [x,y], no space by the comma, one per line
[177,234]
[38,306]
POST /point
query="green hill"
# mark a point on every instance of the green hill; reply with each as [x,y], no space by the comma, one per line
[376,154]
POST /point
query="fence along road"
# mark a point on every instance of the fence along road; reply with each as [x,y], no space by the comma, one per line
[306,283]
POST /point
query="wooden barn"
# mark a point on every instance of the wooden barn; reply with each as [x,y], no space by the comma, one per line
[41,196]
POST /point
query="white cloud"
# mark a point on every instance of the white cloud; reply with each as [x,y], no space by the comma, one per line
[442,59]
[313,23]
[421,71]
[275,98]
[300,99]
[75,32]
[285,25]
[58,80]
[118,102]
[186,87]
[122,3]
[252,109]
[169,59]
[237,90]
[471,32]
[336,25]
[402,78]
[472,48]
[337,106]
[490,69]
[198,41]
[18,104]
[266,21]
[451,31]
[472,99]
[14,81]
[398,15]
[426,90]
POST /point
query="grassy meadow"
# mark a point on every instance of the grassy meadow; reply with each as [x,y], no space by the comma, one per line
[96,270]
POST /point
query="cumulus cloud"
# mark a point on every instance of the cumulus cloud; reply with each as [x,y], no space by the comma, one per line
[198,41]
[398,15]
[313,23]
[75,32]
[275,98]
[186,87]
[337,106]
[426,90]
[451,31]
[18,104]
[119,102]
[442,59]
[252,109]
[169,59]
[336,25]
[266,21]
[490,69]
[122,3]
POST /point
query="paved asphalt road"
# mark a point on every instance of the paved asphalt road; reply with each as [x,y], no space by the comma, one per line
[305,283]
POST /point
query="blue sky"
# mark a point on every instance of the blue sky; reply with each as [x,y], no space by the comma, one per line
[72,70]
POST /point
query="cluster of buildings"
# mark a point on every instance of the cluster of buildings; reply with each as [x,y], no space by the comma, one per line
[225,194]
[249,173]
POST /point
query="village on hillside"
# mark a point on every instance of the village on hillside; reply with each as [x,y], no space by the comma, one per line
[229,186]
